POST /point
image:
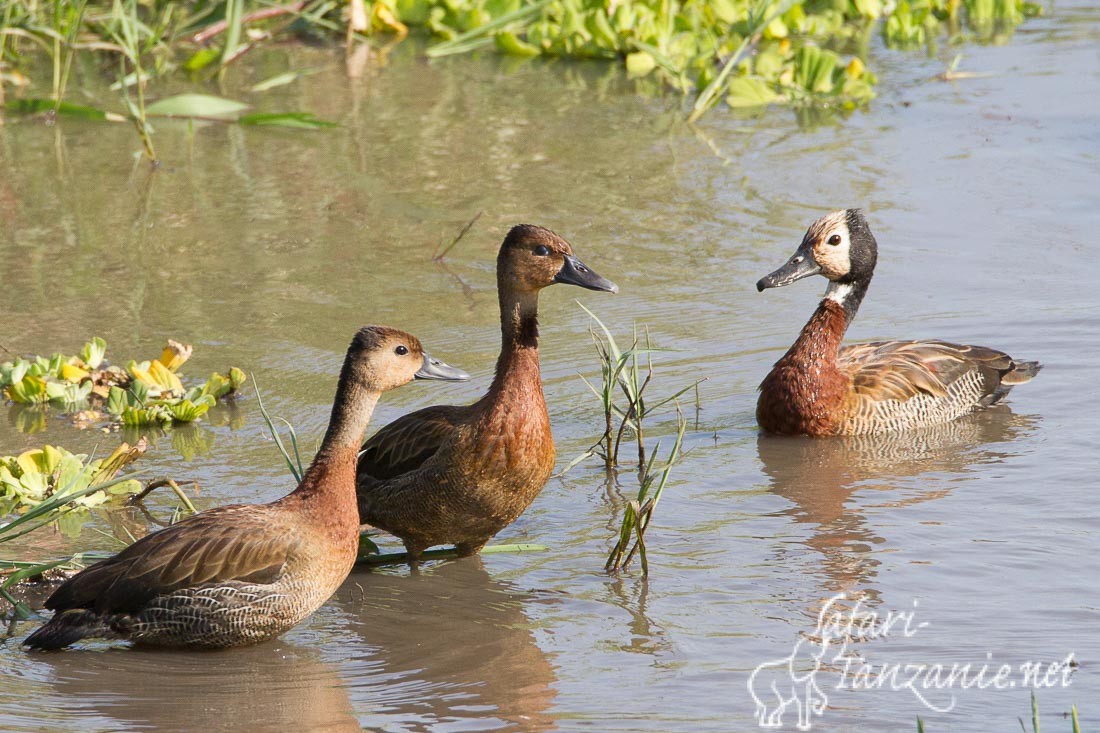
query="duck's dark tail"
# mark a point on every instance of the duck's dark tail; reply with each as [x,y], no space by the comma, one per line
[67,627]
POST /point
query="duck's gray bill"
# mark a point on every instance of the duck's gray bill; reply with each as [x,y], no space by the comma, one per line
[435,369]
[575,272]
[801,265]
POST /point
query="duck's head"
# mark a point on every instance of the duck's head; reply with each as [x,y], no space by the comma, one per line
[383,358]
[533,257]
[839,246]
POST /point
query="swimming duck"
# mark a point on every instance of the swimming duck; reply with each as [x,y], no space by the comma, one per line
[820,388]
[460,474]
[240,574]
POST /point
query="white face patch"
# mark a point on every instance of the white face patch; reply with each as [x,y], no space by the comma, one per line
[832,244]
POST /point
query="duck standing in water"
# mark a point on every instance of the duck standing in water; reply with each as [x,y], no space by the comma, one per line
[240,574]
[460,474]
[820,388]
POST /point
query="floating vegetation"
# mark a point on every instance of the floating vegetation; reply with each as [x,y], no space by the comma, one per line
[749,53]
[145,40]
[142,394]
[53,473]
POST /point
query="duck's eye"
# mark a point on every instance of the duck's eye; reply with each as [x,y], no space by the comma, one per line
[542,250]
[834,240]
[401,350]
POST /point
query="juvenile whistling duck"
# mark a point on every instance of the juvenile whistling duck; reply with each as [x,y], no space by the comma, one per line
[460,474]
[239,574]
[819,388]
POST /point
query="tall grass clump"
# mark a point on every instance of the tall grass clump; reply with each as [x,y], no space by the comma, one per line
[625,376]
[629,372]
[639,510]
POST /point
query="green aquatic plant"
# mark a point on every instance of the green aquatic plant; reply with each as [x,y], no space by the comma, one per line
[52,472]
[916,23]
[639,510]
[750,53]
[144,393]
[630,372]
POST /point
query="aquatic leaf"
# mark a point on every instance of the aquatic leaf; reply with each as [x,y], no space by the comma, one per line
[68,393]
[175,354]
[640,63]
[18,371]
[117,400]
[510,43]
[157,378]
[300,120]
[138,393]
[749,91]
[73,373]
[196,105]
[217,386]
[283,79]
[125,488]
[141,416]
[188,411]
[28,390]
[201,59]
[40,460]
[43,106]
[236,378]
[122,456]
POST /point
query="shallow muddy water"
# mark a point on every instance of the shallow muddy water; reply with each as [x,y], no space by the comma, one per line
[266,249]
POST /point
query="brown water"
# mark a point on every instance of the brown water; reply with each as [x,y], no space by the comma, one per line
[267,248]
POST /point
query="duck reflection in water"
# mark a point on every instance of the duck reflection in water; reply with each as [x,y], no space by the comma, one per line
[446,647]
[819,475]
[271,687]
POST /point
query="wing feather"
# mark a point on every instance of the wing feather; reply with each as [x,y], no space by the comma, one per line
[406,443]
[238,542]
[900,370]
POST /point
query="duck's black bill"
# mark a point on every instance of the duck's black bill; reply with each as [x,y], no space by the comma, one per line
[575,272]
[801,265]
[435,369]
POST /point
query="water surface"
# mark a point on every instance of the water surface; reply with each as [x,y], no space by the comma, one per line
[266,249]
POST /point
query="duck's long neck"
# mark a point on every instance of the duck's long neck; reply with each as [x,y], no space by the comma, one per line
[332,472]
[820,339]
[518,366]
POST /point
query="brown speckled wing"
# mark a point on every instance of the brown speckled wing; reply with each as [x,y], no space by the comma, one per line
[407,442]
[237,542]
[900,370]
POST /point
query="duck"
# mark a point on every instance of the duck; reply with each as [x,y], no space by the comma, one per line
[458,475]
[822,388]
[240,574]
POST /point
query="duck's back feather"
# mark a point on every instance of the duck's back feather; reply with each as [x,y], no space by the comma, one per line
[900,384]
[408,442]
[231,543]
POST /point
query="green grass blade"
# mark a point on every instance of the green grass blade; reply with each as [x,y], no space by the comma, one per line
[275,433]
[396,558]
